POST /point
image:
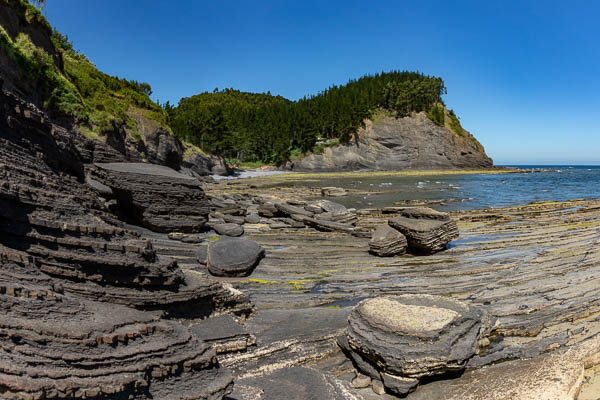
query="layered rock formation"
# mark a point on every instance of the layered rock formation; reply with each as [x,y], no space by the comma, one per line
[390,144]
[427,231]
[400,340]
[387,242]
[154,196]
[81,297]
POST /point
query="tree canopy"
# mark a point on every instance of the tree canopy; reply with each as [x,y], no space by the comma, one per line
[266,128]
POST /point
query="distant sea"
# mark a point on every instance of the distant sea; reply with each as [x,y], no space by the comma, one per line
[552,182]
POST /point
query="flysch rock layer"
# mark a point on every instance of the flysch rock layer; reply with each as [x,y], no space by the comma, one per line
[427,231]
[402,339]
[400,143]
[156,197]
[82,298]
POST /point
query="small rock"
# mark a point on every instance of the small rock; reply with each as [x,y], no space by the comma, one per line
[333,191]
[378,387]
[233,230]
[232,219]
[253,219]
[361,381]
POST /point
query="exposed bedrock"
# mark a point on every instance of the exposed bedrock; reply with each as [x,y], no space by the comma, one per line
[154,196]
[400,340]
[83,300]
[427,231]
[400,143]
[55,346]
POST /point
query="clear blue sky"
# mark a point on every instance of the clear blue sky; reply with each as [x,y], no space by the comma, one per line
[522,75]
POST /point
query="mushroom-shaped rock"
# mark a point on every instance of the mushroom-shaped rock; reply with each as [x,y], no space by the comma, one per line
[387,242]
[229,229]
[233,257]
[427,231]
[402,339]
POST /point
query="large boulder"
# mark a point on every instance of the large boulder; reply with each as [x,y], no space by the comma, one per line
[400,340]
[387,242]
[233,257]
[156,197]
[427,231]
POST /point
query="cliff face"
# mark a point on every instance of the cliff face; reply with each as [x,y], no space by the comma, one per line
[391,144]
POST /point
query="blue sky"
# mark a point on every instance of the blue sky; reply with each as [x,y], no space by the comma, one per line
[522,75]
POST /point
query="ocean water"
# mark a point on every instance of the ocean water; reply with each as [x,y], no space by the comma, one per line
[544,182]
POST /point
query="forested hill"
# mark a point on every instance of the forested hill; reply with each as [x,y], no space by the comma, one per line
[271,129]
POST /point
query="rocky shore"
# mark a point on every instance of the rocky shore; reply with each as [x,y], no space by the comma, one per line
[131,280]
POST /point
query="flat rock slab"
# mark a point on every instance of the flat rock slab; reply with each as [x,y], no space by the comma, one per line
[233,257]
[144,169]
[295,383]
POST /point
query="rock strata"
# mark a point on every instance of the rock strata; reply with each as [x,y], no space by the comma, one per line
[400,143]
[387,242]
[84,301]
[427,231]
[155,197]
[403,339]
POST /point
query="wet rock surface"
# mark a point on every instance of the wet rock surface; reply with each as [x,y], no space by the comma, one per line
[426,230]
[156,197]
[409,337]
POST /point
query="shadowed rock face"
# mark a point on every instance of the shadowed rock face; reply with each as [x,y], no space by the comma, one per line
[391,144]
[156,197]
[81,298]
[402,339]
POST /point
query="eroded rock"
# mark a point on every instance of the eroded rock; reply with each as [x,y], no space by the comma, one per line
[156,197]
[387,242]
[402,339]
[427,231]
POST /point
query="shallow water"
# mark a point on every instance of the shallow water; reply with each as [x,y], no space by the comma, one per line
[477,191]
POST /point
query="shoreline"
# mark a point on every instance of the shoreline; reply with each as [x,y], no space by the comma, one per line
[265,173]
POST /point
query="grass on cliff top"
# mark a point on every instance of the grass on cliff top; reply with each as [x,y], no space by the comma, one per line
[95,100]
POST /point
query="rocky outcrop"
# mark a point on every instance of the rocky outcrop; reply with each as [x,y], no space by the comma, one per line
[427,231]
[387,242]
[399,340]
[83,301]
[156,197]
[233,257]
[400,143]
[196,163]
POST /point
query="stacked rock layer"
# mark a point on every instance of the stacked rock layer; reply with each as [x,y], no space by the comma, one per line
[399,340]
[83,300]
[154,196]
[427,231]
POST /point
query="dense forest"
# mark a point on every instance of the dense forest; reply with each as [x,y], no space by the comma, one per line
[266,128]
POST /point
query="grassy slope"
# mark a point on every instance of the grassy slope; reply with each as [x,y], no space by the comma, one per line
[95,101]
